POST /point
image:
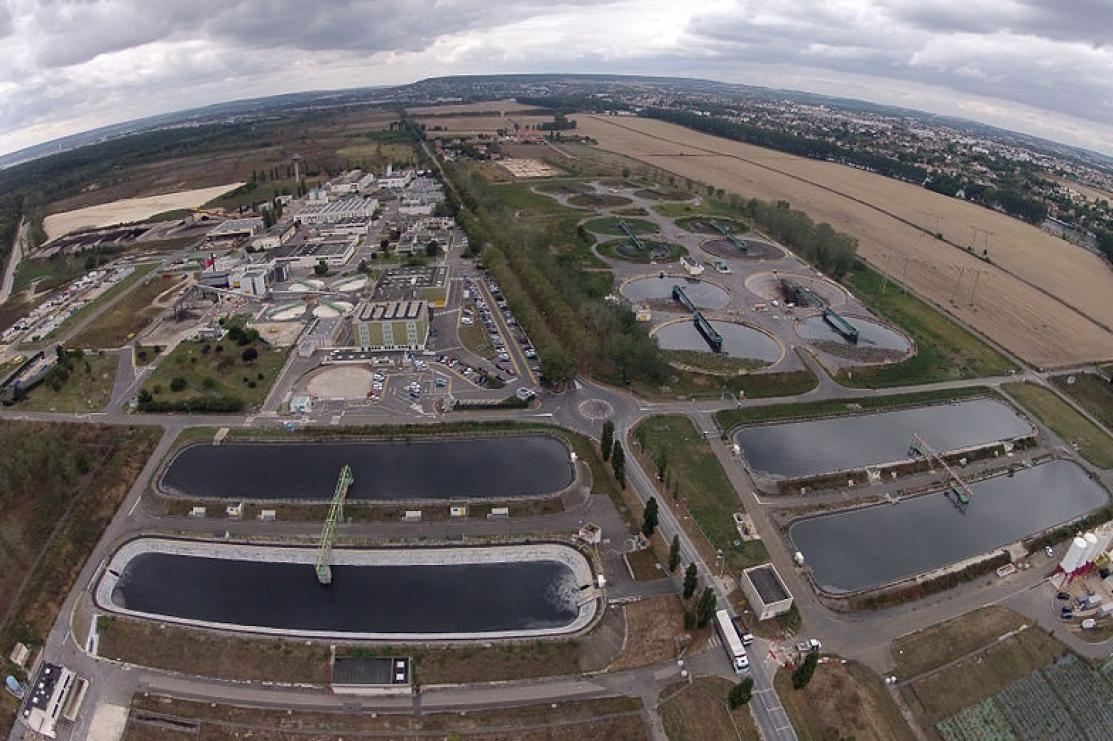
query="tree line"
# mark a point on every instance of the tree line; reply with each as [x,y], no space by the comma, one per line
[534,258]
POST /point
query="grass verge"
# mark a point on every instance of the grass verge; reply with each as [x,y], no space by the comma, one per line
[614,718]
[932,647]
[1091,392]
[699,712]
[728,419]
[842,701]
[1091,442]
[693,475]
[944,350]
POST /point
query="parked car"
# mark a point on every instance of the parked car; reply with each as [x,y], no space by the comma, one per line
[1062,596]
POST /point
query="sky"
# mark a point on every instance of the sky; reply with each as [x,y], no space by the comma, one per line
[1038,66]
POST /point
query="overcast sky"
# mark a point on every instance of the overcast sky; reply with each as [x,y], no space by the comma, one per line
[1039,66]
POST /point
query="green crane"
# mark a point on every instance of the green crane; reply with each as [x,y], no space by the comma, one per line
[335,516]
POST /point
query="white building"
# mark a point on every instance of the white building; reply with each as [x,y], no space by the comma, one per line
[396,180]
[236,229]
[766,591]
[345,209]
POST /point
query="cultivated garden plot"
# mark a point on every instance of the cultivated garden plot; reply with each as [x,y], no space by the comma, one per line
[1067,700]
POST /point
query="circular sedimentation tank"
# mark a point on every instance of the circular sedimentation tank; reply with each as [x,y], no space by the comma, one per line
[739,340]
[872,334]
[756,249]
[767,286]
[704,294]
[349,285]
[287,312]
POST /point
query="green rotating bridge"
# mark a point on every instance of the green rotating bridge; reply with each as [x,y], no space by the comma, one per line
[335,517]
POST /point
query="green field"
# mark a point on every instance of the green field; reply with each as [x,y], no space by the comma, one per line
[690,384]
[138,274]
[693,471]
[704,208]
[215,375]
[944,350]
[127,317]
[1091,392]
[728,419]
[87,386]
[1092,443]
[610,225]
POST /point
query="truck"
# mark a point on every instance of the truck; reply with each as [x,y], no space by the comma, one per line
[1088,602]
[732,643]
[740,627]
[810,646]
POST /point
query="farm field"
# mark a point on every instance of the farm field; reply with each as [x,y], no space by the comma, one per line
[130,209]
[482,106]
[1040,297]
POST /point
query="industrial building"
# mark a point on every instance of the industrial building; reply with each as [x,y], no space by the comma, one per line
[56,693]
[335,252]
[396,180]
[391,325]
[235,229]
[329,212]
[766,591]
[351,182]
[276,236]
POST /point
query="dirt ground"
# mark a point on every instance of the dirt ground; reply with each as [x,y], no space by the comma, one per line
[842,701]
[652,626]
[340,382]
[154,718]
[1041,297]
[129,209]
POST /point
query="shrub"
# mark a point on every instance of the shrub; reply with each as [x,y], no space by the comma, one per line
[249,354]
[803,673]
[177,383]
[741,693]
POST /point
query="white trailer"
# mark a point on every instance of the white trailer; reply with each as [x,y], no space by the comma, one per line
[732,643]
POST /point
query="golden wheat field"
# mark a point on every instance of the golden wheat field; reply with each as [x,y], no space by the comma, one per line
[1047,301]
[497,107]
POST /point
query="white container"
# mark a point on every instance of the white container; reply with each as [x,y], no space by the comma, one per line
[1091,548]
[1073,558]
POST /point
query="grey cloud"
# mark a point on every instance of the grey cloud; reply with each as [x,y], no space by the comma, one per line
[944,49]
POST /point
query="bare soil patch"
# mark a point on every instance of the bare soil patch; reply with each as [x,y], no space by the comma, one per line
[129,209]
[652,627]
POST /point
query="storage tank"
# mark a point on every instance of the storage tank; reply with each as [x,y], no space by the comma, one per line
[1091,548]
[1073,558]
[1105,537]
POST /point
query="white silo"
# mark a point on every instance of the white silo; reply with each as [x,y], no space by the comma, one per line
[1073,558]
[1104,532]
[1091,548]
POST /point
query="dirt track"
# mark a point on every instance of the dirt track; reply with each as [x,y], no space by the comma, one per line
[1047,301]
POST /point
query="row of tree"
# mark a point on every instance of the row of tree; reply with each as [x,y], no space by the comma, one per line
[537,259]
